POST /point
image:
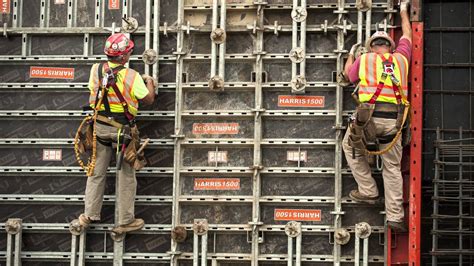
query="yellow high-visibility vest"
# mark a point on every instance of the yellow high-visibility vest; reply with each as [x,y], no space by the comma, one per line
[125,79]
[370,73]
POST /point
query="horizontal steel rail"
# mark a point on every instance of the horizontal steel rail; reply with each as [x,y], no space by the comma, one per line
[76,199]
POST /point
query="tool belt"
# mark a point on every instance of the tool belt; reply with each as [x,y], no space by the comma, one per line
[363,136]
[132,142]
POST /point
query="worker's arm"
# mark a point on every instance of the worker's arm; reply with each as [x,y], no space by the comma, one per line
[348,65]
[350,59]
[406,25]
[150,97]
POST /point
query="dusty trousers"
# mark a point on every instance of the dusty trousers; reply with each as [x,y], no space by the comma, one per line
[391,172]
[126,187]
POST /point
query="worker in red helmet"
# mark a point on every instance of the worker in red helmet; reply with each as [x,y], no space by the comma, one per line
[119,90]
[382,77]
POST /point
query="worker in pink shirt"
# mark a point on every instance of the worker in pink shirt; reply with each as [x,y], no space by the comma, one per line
[384,98]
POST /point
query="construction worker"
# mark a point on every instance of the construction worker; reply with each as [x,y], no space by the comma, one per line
[382,59]
[120,90]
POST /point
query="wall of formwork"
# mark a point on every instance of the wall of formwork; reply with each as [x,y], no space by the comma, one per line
[248,159]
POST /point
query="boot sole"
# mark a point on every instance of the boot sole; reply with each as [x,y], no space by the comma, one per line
[368,201]
[121,230]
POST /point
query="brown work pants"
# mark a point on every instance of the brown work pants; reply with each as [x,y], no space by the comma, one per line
[126,187]
[391,172]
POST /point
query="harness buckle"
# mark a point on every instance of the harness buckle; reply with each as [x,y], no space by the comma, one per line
[388,67]
[105,80]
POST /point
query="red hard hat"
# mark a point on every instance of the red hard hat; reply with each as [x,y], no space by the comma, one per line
[118,44]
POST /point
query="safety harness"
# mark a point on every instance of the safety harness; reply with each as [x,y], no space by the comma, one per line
[363,136]
[89,142]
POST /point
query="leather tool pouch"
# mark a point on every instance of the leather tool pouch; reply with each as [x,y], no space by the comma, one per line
[136,160]
[363,133]
[86,138]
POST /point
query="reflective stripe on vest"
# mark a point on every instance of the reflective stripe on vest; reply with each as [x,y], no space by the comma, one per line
[370,73]
[125,80]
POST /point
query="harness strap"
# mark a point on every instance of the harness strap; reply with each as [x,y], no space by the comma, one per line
[385,74]
[109,121]
[112,83]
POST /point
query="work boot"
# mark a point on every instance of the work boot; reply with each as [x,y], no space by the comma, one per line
[356,196]
[398,227]
[136,225]
[84,221]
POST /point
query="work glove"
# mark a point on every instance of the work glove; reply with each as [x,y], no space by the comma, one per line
[147,79]
[404,5]
[354,48]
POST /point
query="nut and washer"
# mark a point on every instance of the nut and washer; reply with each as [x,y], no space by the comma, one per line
[218,36]
[297,55]
[200,226]
[129,25]
[13,226]
[298,84]
[342,236]
[216,83]
[299,14]
[363,230]
[293,229]
[179,233]
[75,227]
[150,56]
[364,5]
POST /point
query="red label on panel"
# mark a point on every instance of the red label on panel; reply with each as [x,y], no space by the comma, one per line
[216,184]
[300,101]
[215,128]
[51,72]
[114,4]
[5,6]
[297,215]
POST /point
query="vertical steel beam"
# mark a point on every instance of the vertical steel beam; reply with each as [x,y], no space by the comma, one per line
[204,249]
[294,41]
[365,252]
[299,239]
[195,250]
[436,178]
[303,42]
[82,249]
[70,13]
[98,13]
[9,254]
[177,128]
[416,96]
[43,10]
[73,261]
[16,21]
[339,133]
[222,46]
[290,251]
[147,31]
[156,35]
[257,152]
[118,244]
[213,45]
[368,24]
[357,250]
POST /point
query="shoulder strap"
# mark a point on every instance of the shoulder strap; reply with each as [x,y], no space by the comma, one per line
[105,101]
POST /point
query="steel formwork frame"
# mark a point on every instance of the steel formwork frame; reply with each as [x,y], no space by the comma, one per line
[255,226]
